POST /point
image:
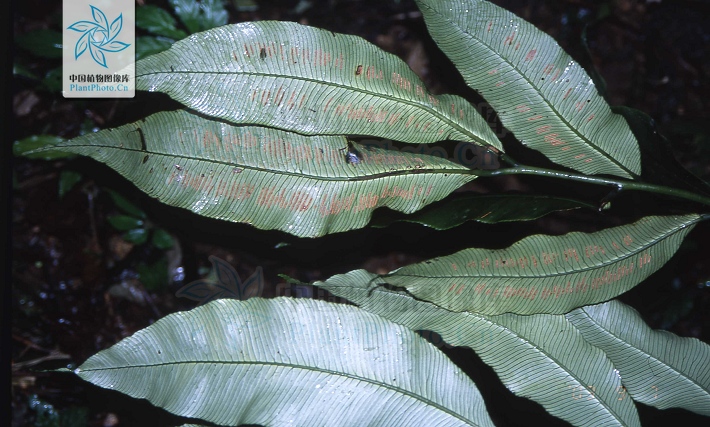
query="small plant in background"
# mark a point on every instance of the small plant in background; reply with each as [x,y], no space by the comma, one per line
[45,44]
[162,26]
[137,229]
[270,137]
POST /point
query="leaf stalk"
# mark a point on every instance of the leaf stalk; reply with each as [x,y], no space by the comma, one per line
[620,184]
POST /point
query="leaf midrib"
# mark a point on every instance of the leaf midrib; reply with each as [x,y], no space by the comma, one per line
[537,92]
[487,319]
[618,339]
[340,85]
[559,364]
[666,236]
[380,384]
[380,175]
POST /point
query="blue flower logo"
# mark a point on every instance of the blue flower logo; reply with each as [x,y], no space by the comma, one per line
[98,36]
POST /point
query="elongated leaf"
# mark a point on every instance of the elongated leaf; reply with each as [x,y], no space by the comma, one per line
[547,274]
[124,222]
[306,186]
[657,368]
[67,180]
[21,70]
[30,144]
[485,208]
[307,80]
[288,361]
[544,97]
[542,357]
[43,43]
[123,204]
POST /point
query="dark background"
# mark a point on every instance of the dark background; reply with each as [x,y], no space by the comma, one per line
[78,287]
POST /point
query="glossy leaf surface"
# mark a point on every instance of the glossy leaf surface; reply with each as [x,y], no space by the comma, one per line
[542,357]
[547,274]
[657,368]
[307,80]
[306,186]
[287,361]
[543,96]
